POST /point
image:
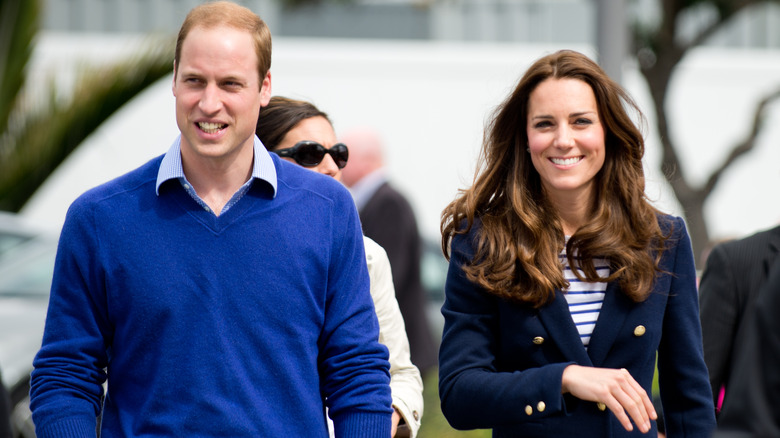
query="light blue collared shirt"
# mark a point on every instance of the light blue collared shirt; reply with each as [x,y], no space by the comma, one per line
[171,168]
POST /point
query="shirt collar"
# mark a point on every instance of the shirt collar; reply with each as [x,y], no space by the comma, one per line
[171,166]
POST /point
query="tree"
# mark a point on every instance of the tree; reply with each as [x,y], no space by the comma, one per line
[660,50]
[35,137]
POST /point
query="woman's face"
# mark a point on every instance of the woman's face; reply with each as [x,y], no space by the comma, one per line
[316,129]
[565,137]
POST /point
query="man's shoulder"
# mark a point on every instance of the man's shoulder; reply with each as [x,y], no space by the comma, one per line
[387,195]
[126,183]
[293,179]
[754,242]
[388,189]
[744,255]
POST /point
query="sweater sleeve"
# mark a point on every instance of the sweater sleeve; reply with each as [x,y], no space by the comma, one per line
[685,390]
[354,365]
[66,383]
[405,380]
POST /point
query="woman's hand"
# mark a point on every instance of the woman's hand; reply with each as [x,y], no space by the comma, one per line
[394,421]
[616,389]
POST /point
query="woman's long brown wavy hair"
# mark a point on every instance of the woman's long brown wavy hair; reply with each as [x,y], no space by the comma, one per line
[517,245]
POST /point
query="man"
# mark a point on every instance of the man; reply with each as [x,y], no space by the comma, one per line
[733,276]
[222,291]
[388,218]
[751,409]
[5,411]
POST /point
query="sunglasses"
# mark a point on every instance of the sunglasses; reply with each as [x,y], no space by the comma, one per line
[310,153]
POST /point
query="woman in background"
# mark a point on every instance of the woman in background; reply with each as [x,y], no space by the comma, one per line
[564,281]
[299,132]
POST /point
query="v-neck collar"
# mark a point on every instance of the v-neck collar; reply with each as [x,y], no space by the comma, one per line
[217,224]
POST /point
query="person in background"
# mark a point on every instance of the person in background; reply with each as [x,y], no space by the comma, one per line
[388,218]
[5,410]
[751,409]
[218,290]
[564,280]
[301,133]
[734,273]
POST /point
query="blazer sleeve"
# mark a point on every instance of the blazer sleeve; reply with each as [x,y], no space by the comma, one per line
[474,393]
[687,402]
[719,306]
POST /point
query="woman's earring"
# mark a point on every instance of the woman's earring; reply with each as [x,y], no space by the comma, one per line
[528,150]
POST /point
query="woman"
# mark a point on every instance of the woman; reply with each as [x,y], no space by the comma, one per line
[297,131]
[564,281]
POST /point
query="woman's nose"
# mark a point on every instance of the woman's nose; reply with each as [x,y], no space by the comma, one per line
[564,137]
[328,166]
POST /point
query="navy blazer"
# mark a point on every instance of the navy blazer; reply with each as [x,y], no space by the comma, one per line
[501,363]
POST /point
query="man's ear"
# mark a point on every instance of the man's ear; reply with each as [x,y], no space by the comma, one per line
[173,84]
[265,90]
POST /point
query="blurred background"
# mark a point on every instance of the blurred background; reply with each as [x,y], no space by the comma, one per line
[85,95]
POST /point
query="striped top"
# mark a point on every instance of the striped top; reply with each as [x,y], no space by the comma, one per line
[584,298]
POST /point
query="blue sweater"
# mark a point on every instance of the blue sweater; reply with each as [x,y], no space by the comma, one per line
[246,324]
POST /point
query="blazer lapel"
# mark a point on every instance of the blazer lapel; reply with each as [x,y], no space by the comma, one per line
[612,316]
[557,320]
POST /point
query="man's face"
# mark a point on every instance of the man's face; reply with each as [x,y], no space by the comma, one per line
[218,93]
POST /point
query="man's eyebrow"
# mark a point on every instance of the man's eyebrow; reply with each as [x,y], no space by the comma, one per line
[233,78]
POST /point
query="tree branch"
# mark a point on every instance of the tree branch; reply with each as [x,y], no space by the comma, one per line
[743,147]
[726,14]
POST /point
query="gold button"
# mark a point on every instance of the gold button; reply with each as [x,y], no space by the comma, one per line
[538,340]
[416,416]
[639,330]
[540,407]
[529,410]
[601,406]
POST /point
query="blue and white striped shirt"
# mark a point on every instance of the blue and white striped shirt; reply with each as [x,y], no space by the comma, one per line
[584,298]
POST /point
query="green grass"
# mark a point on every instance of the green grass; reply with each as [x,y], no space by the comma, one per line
[434,425]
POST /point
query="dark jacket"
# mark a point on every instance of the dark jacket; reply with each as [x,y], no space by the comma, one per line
[389,220]
[752,408]
[732,278]
[5,411]
[501,363]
